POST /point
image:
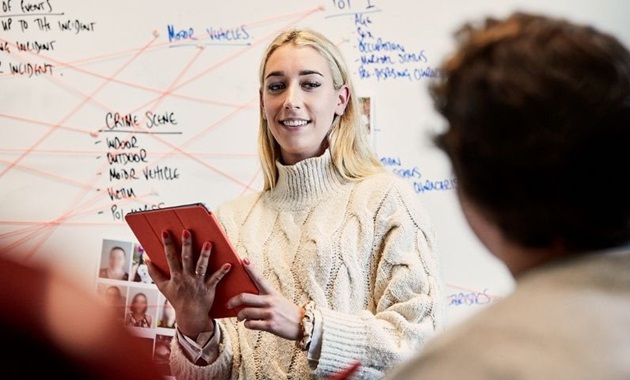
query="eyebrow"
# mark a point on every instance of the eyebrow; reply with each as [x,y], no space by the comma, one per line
[303,72]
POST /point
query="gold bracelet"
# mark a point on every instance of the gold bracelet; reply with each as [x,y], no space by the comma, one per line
[308,322]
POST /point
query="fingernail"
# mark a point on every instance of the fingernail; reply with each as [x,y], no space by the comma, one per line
[227,267]
[165,234]
[186,234]
[207,245]
[246,261]
[228,305]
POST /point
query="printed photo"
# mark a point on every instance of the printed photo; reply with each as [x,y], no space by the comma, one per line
[141,309]
[166,315]
[116,297]
[115,260]
[139,271]
[162,352]
[365,109]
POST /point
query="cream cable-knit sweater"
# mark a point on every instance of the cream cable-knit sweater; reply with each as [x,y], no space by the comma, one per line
[363,251]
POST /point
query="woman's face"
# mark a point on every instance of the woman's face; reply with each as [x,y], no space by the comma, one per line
[299,101]
[113,296]
[117,259]
[139,303]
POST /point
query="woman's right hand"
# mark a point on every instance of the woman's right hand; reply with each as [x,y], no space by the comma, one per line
[189,288]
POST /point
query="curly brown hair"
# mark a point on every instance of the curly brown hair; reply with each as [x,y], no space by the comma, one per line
[538,113]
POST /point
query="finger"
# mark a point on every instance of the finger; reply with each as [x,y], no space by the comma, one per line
[259,324]
[187,258]
[156,274]
[170,251]
[261,282]
[204,257]
[218,275]
[248,299]
[249,313]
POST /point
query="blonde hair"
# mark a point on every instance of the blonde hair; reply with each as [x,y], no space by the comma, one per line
[352,155]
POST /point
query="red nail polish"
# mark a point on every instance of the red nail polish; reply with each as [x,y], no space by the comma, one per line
[186,234]
[227,267]
[207,245]
[246,261]
[165,234]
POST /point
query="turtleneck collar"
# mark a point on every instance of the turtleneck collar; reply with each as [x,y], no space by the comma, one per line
[305,183]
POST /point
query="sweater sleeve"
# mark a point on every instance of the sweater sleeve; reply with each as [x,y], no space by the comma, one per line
[407,296]
[224,367]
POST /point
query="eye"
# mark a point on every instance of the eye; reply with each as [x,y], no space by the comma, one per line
[275,87]
[311,84]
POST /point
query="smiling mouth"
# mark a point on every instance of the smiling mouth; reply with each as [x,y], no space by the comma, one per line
[293,123]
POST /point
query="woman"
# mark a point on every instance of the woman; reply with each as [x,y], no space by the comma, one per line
[137,315]
[342,254]
[115,299]
[116,265]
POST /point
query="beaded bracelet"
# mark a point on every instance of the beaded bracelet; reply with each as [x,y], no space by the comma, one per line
[307,325]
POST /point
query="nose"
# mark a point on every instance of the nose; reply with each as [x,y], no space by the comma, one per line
[293,97]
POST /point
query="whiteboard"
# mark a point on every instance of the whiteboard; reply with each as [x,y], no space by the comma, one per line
[78,76]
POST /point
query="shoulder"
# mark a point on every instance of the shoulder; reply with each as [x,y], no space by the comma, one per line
[382,180]
[236,208]
[381,186]
[233,212]
[393,196]
[390,187]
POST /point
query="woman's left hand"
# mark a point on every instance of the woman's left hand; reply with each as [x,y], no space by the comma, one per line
[268,311]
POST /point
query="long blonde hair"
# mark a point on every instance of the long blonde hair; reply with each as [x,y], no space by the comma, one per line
[352,155]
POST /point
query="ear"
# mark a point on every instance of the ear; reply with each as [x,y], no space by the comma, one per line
[343,97]
[262,104]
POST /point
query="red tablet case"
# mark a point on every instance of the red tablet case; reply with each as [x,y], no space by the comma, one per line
[148,225]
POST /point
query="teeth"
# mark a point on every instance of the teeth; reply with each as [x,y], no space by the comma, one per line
[294,123]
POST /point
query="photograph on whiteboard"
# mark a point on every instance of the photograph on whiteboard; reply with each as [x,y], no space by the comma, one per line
[162,352]
[139,270]
[141,310]
[115,259]
[115,296]
[166,314]
[366,111]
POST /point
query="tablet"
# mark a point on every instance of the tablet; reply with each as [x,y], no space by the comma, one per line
[148,225]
